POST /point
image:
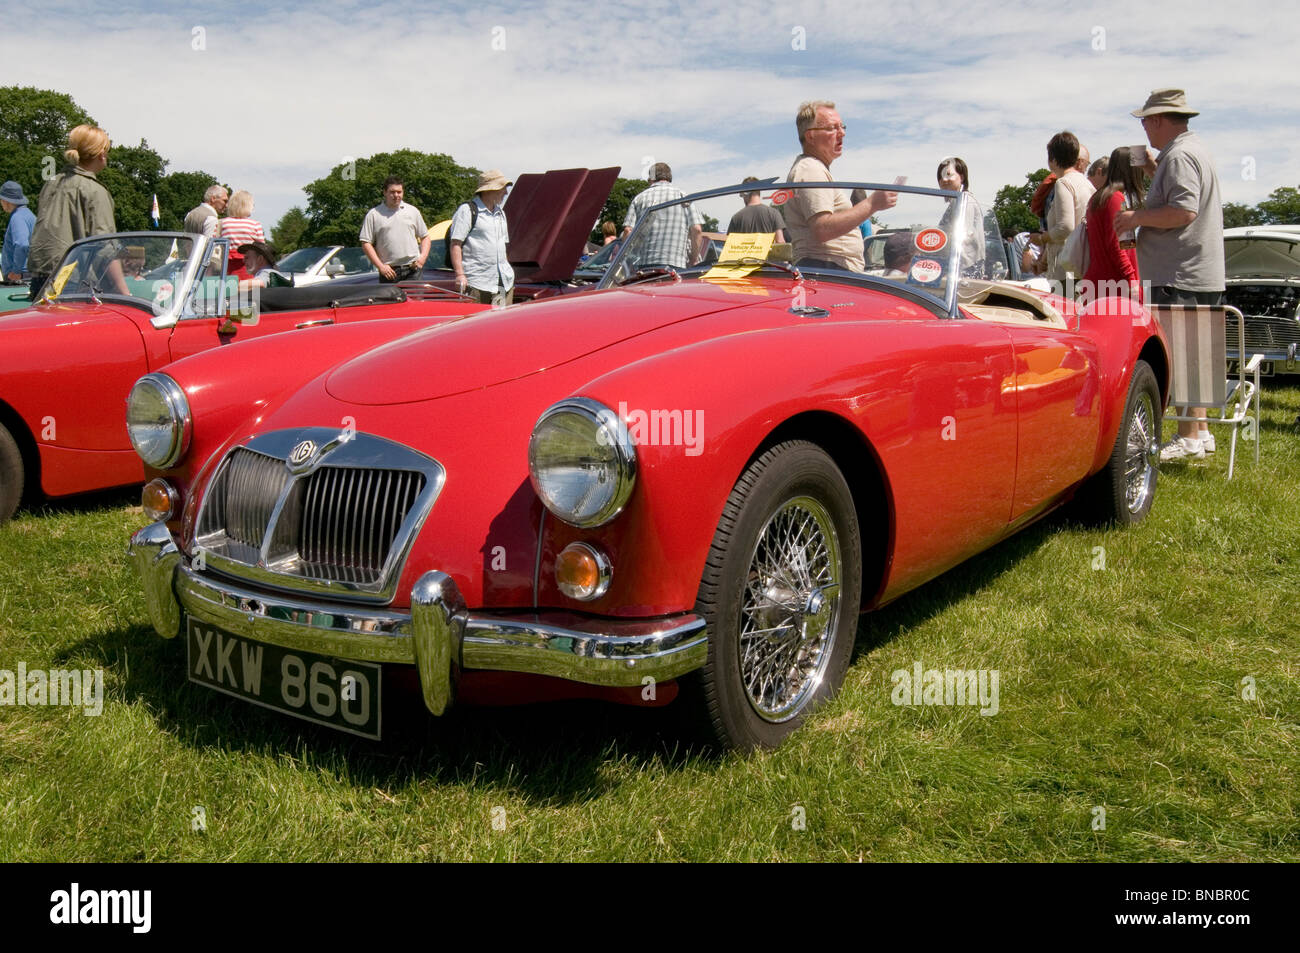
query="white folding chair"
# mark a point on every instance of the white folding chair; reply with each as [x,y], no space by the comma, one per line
[1198,348]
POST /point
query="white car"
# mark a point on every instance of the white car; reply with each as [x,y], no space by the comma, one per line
[1262,264]
[308,266]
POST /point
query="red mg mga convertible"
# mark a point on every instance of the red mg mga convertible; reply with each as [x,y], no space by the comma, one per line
[693,477]
[120,306]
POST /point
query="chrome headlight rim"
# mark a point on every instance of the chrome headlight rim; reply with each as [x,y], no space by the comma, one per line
[615,435]
[182,422]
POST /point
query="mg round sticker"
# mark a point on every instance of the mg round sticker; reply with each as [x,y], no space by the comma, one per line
[781,196]
[931,239]
[926,271]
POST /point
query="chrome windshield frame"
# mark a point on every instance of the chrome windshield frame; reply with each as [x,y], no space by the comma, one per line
[948,302]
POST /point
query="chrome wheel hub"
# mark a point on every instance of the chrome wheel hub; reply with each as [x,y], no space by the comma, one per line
[790,609]
[1141,454]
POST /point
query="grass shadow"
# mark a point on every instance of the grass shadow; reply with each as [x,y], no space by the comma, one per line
[551,752]
[883,625]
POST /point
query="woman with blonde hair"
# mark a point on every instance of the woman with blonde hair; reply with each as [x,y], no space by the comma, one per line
[73,205]
[240,229]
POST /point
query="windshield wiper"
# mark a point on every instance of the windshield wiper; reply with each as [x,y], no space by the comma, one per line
[658,271]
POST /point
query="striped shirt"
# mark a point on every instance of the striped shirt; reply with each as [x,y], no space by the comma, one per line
[241,231]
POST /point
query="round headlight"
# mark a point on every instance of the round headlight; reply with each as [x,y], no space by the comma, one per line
[158,420]
[582,462]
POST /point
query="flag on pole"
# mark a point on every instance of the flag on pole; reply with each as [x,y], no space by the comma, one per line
[154,212]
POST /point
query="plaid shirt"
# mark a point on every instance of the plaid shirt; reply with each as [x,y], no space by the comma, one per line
[667,238]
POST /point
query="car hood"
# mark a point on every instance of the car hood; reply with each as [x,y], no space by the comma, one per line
[550,216]
[53,315]
[494,347]
[1261,256]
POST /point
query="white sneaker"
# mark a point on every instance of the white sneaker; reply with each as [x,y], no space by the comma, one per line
[1182,448]
[1207,441]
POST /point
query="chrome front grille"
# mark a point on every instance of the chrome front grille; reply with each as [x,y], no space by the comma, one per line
[341,522]
[350,517]
[1264,332]
[242,499]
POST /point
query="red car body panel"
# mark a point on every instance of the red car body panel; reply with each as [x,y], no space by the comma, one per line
[68,368]
[963,422]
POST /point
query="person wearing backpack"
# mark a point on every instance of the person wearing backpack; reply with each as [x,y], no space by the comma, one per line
[476,243]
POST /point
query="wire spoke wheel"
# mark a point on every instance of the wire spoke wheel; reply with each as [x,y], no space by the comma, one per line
[790,608]
[781,590]
[1139,468]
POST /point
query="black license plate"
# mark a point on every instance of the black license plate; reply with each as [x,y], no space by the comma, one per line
[340,693]
[1265,368]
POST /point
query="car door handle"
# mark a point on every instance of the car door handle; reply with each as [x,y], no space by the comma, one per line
[313,324]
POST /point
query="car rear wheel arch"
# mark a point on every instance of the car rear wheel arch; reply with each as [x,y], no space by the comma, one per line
[16,428]
[858,462]
[1155,357]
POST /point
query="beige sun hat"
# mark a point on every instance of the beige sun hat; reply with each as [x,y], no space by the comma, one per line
[491,180]
[1165,101]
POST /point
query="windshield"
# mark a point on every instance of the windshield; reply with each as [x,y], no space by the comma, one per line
[302,259]
[144,267]
[927,242]
[595,266]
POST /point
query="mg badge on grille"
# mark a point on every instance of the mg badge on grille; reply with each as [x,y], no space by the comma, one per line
[302,454]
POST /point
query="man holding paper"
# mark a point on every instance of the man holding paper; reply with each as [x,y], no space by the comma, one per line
[823,223]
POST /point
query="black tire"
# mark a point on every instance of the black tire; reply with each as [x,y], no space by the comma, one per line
[793,486]
[1121,493]
[11,475]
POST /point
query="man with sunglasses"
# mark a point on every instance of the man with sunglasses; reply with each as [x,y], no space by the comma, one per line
[822,224]
[1180,242]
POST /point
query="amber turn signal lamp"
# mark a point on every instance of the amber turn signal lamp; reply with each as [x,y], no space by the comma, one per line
[583,572]
[159,500]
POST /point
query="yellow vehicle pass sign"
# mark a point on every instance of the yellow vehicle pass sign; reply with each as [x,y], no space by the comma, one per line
[740,246]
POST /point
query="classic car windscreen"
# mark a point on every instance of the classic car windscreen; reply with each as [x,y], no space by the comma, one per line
[927,242]
[302,259]
[142,267]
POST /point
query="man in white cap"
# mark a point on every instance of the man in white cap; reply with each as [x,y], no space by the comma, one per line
[1180,241]
[394,236]
[18,233]
[477,239]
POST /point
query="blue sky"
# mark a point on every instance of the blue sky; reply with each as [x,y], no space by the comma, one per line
[268,98]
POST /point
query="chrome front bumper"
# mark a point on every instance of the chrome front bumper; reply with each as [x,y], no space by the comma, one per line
[439,636]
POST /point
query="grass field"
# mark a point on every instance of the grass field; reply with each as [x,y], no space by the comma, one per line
[1153,674]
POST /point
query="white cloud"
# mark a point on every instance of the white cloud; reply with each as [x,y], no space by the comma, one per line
[281,95]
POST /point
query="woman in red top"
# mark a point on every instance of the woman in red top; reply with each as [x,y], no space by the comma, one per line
[1112,270]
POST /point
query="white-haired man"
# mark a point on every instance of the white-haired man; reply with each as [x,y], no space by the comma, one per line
[822,224]
[202,219]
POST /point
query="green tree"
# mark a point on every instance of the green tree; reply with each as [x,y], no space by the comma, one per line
[1282,207]
[132,178]
[1236,215]
[711,224]
[1012,204]
[287,234]
[337,203]
[620,197]
[34,126]
[39,118]
[178,192]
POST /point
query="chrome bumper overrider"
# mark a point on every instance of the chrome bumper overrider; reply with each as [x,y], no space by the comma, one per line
[438,636]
